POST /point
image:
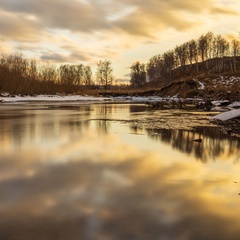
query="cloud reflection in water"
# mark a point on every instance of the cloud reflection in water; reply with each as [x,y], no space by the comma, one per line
[68,172]
[121,193]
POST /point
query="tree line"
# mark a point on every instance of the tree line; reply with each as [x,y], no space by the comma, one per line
[209,53]
[21,75]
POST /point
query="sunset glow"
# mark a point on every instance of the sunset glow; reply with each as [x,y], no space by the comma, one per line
[86,31]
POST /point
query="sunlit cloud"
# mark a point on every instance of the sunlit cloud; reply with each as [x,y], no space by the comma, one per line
[90,30]
[5,46]
[55,57]
[14,29]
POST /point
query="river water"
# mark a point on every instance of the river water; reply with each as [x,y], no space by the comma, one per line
[88,171]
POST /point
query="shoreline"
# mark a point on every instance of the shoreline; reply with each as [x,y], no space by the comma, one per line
[182,119]
[229,127]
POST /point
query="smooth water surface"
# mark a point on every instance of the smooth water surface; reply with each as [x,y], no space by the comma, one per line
[71,171]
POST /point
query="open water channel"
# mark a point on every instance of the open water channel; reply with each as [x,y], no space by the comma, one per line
[104,171]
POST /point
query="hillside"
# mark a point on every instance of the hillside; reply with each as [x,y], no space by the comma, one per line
[189,82]
[211,85]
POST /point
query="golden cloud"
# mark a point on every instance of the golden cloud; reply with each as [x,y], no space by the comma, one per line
[18,27]
[102,29]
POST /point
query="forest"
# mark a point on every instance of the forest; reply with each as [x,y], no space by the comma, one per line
[209,54]
[23,76]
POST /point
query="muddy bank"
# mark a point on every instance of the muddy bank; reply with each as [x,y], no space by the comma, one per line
[231,127]
[177,119]
[174,119]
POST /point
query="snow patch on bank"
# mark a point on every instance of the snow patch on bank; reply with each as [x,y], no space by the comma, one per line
[202,86]
[227,115]
[226,81]
[51,98]
[58,98]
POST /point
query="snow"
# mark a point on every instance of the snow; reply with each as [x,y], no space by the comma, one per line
[220,102]
[79,98]
[202,87]
[228,115]
[58,98]
[234,104]
[51,98]
[5,94]
[228,81]
[146,99]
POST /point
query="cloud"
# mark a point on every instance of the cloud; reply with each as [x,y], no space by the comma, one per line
[18,27]
[5,46]
[224,11]
[89,30]
[91,16]
[75,54]
[153,16]
[73,15]
[122,81]
[54,57]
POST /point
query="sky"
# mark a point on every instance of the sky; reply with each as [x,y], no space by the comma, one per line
[87,31]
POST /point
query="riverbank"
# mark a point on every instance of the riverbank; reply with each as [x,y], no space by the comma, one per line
[230,127]
[164,113]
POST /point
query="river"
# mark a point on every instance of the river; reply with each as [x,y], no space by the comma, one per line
[104,171]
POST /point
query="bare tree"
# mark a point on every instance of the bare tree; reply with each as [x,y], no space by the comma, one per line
[169,62]
[181,53]
[202,47]
[71,74]
[209,48]
[79,72]
[235,51]
[138,74]
[154,67]
[65,74]
[48,73]
[17,65]
[193,53]
[32,71]
[104,73]
[223,49]
[87,75]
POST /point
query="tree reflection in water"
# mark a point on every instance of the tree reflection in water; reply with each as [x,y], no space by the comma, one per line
[214,143]
[104,112]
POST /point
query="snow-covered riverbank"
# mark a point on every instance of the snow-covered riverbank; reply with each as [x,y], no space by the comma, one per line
[59,98]
[49,98]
